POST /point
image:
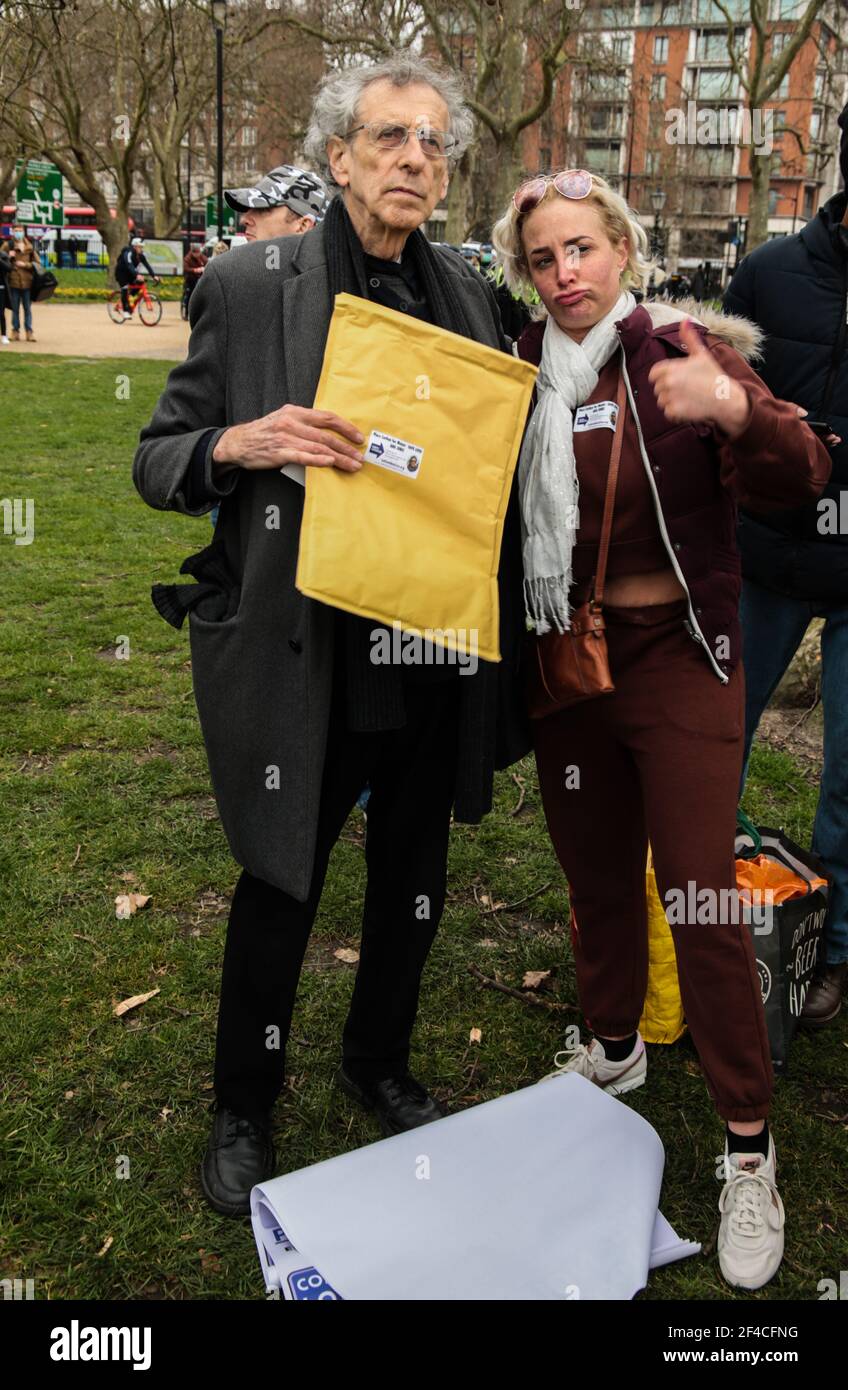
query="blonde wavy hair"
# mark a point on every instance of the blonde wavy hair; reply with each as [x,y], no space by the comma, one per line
[618,220]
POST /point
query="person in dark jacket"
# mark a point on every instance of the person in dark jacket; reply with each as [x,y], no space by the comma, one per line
[658,757]
[795,563]
[296,717]
[127,269]
[5,271]
[194,264]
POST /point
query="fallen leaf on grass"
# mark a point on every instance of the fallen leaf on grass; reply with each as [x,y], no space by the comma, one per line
[107,1242]
[128,903]
[127,877]
[132,1003]
[533,978]
[345,954]
[475,1035]
[210,1264]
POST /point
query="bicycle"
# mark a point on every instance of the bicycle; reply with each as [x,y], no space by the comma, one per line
[149,305]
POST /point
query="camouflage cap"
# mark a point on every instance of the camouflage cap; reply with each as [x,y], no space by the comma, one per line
[285,186]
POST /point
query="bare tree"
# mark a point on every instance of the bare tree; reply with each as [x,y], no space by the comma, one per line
[760,72]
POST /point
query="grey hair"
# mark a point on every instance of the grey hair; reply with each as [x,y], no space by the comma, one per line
[336,104]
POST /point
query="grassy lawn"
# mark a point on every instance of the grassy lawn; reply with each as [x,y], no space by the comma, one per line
[104,776]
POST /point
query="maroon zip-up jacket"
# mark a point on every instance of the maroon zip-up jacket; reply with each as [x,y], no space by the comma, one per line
[698,476]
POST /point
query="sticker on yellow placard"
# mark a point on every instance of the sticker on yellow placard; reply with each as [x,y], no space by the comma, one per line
[398,455]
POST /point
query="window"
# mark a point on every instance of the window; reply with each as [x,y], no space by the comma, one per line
[599,85]
[815,125]
[711,44]
[819,86]
[544,156]
[658,87]
[808,202]
[715,84]
[248,135]
[602,159]
[711,161]
[605,120]
[654,12]
[707,12]
[661,49]
[779,41]
[652,162]
[773,200]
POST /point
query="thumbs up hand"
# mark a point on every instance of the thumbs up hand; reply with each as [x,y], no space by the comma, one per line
[693,389]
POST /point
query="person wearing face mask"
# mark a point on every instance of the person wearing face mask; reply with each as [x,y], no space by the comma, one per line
[24,258]
[692,429]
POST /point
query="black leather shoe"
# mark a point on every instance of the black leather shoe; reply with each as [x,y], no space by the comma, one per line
[399,1102]
[239,1155]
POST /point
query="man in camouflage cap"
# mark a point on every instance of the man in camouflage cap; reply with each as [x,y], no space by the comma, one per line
[286,202]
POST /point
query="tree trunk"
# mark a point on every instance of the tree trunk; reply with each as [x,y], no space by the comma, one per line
[459,191]
[758,211]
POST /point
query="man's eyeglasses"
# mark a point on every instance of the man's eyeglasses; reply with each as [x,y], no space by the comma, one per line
[571,183]
[435,144]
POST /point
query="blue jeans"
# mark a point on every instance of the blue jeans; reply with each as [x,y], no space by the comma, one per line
[773,626]
[16,297]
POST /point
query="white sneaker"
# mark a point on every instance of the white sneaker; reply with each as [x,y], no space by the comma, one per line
[591,1061]
[750,1237]
[4,339]
[127,316]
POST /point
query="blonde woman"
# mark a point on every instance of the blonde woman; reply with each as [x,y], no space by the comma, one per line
[660,757]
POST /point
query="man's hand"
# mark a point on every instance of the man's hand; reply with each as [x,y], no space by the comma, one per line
[693,389]
[292,434]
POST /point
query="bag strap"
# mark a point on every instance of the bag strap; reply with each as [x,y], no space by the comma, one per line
[748,828]
[609,499]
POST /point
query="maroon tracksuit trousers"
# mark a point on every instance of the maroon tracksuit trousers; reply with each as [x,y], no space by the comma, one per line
[659,759]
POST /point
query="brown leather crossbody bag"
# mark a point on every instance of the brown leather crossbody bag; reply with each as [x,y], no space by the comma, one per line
[565,668]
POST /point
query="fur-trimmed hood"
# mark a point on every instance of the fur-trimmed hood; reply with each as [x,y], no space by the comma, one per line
[738,332]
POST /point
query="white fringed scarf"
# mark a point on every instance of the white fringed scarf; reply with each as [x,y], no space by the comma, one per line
[547,471]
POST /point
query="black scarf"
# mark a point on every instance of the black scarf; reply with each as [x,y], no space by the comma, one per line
[374,694]
[346,266]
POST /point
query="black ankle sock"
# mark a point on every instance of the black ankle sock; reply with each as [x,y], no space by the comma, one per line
[617,1050]
[748,1143]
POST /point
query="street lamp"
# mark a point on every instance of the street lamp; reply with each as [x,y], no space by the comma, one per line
[658,203]
[219,19]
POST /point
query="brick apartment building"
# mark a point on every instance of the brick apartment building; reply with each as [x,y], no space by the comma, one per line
[667,56]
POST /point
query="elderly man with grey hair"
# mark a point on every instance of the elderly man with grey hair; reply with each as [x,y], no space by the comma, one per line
[295,717]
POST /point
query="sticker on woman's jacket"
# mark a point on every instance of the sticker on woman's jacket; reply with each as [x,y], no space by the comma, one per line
[601,415]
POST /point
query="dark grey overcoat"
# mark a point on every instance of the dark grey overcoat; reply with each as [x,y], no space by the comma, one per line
[263,676]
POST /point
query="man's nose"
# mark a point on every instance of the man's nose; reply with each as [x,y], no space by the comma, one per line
[412,155]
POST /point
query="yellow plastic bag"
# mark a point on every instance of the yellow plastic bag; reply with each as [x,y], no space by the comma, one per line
[414,537]
[662,1018]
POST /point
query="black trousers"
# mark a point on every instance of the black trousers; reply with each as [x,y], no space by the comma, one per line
[411,773]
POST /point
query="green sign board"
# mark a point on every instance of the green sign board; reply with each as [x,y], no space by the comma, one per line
[229,218]
[39,193]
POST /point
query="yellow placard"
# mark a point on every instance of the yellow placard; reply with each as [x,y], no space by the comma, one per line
[414,537]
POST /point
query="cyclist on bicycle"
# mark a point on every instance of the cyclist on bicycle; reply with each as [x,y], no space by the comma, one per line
[127,271]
